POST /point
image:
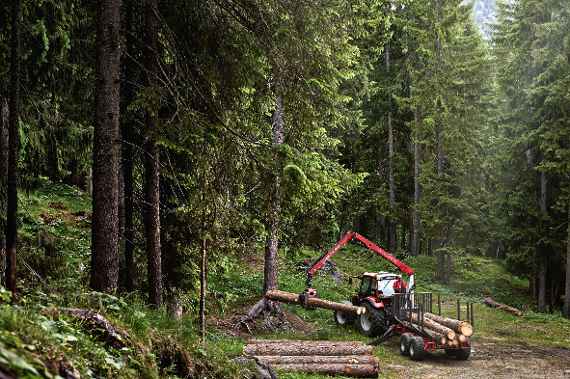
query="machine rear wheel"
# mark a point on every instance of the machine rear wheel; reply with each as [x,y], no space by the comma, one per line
[342,318]
[405,340]
[462,354]
[373,322]
[417,352]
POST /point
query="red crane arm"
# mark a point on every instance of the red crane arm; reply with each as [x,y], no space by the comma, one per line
[349,236]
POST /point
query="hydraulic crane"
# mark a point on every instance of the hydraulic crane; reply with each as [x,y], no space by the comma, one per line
[376,289]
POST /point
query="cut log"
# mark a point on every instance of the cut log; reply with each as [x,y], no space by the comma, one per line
[322,359]
[308,348]
[438,328]
[357,371]
[293,298]
[493,304]
[439,338]
[461,327]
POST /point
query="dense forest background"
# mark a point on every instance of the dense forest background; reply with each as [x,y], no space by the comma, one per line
[221,129]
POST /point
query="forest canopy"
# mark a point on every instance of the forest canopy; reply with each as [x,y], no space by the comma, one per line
[218,129]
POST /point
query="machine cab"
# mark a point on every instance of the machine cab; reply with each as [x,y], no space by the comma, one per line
[380,285]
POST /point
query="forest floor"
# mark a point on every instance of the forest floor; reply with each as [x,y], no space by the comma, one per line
[33,339]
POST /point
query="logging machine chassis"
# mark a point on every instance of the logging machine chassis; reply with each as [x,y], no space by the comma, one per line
[390,304]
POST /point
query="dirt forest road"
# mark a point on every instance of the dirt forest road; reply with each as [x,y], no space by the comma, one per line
[490,360]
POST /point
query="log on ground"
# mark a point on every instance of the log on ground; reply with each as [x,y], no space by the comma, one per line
[357,371]
[293,298]
[432,325]
[461,327]
[308,348]
[318,359]
[493,304]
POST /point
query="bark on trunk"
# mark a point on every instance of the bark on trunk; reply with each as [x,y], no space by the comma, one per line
[274,212]
[391,182]
[105,223]
[352,370]
[567,290]
[318,359]
[127,146]
[4,146]
[541,248]
[493,304]
[293,298]
[415,237]
[203,286]
[152,161]
[438,328]
[461,327]
[13,153]
[308,348]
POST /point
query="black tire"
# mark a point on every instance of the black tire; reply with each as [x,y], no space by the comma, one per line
[450,352]
[405,340]
[417,352]
[373,322]
[342,318]
[462,354]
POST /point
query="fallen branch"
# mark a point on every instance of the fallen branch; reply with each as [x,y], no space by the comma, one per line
[112,335]
[293,298]
[493,304]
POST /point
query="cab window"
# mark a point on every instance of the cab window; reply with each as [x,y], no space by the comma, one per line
[367,286]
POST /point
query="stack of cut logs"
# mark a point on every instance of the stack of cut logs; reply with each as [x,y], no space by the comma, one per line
[316,357]
[445,331]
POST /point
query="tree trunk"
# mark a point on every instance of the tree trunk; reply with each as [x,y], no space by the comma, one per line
[127,146]
[391,182]
[4,147]
[541,248]
[415,237]
[14,150]
[458,326]
[303,348]
[345,369]
[288,297]
[105,223]
[203,287]
[51,153]
[567,290]
[152,161]
[270,271]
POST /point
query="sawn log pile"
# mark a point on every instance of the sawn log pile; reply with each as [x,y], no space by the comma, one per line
[353,359]
[444,330]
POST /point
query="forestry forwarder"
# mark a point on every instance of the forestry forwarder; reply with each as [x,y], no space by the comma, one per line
[390,304]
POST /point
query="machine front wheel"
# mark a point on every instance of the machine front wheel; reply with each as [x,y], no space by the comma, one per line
[342,318]
[373,322]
